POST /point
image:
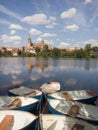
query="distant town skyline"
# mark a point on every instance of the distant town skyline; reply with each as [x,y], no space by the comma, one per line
[60,23]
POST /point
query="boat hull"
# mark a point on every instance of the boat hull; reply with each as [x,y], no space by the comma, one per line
[33,108]
[50,87]
[24,91]
[61,122]
[76,95]
[74,109]
[19,103]
[21,120]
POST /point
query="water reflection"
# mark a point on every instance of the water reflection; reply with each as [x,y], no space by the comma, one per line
[33,63]
[33,72]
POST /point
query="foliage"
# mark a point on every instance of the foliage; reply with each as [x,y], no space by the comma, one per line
[87,52]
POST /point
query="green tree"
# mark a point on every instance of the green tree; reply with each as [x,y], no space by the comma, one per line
[95,49]
[45,52]
[55,52]
[80,53]
[88,50]
[38,50]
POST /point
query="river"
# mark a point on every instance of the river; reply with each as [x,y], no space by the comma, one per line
[72,74]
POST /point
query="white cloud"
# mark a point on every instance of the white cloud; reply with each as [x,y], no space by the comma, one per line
[49,35]
[16,27]
[2,21]
[4,10]
[69,13]
[51,22]
[40,19]
[49,26]
[39,39]
[94,17]
[34,31]
[50,42]
[91,41]
[64,45]
[80,19]
[71,27]
[36,19]
[88,1]
[12,32]
[6,39]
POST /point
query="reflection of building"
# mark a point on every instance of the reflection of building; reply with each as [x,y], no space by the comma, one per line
[29,67]
[33,63]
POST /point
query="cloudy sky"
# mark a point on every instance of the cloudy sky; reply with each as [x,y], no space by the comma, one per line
[61,23]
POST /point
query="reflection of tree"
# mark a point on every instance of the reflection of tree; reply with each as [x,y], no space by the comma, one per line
[91,64]
[87,64]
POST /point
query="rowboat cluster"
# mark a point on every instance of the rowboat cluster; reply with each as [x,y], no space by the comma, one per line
[48,109]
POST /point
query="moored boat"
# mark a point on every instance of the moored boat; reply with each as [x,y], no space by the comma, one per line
[85,96]
[61,122]
[74,109]
[17,120]
[19,103]
[50,87]
[24,91]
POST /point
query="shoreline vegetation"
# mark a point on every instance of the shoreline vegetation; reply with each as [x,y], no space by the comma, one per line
[86,52]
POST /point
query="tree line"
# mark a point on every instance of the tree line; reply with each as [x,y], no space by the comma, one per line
[86,52]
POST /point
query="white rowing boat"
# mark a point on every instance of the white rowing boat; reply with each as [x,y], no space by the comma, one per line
[18,103]
[61,122]
[24,91]
[74,109]
[85,96]
[17,120]
[50,87]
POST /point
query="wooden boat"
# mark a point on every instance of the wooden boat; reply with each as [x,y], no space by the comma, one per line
[85,96]
[16,120]
[50,87]
[19,103]
[74,109]
[61,122]
[24,91]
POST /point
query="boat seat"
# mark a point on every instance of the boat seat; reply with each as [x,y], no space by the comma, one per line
[7,122]
[67,96]
[77,127]
[33,93]
[90,93]
[15,103]
[74,110]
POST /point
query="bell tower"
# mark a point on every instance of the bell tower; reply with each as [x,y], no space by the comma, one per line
[29,44]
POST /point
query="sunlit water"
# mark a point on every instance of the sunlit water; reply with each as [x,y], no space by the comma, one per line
[72,74]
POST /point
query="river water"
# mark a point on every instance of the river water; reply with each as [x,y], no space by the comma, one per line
[72,74]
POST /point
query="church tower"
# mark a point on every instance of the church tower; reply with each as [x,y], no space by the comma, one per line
[29,44]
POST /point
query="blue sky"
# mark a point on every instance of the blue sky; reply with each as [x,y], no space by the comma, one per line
[61,23]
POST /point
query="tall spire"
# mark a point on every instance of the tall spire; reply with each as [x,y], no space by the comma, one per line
[29,41]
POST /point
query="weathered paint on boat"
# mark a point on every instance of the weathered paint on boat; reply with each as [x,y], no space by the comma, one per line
[21,120]
[74,109]
[50,87]
[61,122]
[85,96]
[24,103]
[24,91]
